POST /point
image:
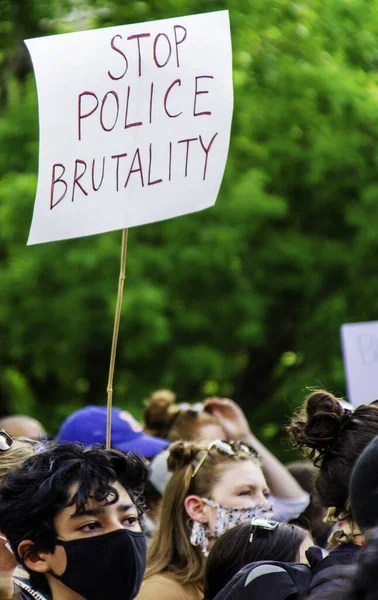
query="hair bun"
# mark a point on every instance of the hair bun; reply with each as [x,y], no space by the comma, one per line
[318,423]
[160,411]
[181,454]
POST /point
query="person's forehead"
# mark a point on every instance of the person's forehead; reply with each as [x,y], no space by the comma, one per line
[210,431]
[243,472]
[23,427]
[92,503]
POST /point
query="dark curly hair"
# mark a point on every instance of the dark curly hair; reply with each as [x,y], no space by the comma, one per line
[333,437]
[32,494]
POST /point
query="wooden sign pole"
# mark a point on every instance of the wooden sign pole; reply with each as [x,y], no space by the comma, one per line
[122,276]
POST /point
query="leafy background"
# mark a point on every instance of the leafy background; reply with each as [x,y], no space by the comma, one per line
[243,300]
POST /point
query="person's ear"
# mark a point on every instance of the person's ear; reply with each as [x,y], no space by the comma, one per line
[31,557]
[195,507]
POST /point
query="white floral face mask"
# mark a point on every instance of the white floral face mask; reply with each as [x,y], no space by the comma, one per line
[227,517]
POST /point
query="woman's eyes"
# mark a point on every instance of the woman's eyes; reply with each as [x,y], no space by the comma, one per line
[246,492]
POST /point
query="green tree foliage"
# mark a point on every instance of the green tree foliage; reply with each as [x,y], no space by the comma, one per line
[245,299]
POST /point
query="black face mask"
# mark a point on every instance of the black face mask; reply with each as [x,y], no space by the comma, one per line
[104,566]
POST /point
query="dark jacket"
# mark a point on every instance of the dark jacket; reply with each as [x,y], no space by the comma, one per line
[272,580]
[267,580]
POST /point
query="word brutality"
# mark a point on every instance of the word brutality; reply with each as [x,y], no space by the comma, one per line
[112,112]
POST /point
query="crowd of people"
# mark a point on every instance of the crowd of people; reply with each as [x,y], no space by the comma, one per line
[191,505]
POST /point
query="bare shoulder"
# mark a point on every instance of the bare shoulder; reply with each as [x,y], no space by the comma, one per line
[162,586]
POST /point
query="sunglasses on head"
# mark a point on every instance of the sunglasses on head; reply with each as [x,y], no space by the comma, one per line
[228,448]
[6,441]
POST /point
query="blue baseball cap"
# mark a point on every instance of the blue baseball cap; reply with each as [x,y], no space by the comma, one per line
[88,426]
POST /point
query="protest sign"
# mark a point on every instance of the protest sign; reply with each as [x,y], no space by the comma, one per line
[360,349]
[134,124]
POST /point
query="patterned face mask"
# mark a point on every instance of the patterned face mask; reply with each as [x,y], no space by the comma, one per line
[227,517]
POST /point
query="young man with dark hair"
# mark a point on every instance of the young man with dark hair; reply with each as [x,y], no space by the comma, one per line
[72,516]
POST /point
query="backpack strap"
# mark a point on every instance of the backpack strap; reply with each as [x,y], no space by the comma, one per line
[29,590]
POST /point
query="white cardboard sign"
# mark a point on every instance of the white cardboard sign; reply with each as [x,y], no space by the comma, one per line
[360,349]
[134,124]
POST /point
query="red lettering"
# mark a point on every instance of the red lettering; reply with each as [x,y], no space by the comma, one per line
[102,110]
[123,56]
[118,156]
[198,93]
[169,50]
[151,99]
[55,180]
[149,169]
[176,82]
[187,141]
[88,114]
[170,162]
[178,42]
[138,37]
[137,170]
[78,177]
[95,189]
[206,151]
[135,124]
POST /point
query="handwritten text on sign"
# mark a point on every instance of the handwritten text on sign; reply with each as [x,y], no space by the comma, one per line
[360,348]
[134,124]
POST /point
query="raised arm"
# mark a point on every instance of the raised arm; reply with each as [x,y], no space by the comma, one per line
[281,483]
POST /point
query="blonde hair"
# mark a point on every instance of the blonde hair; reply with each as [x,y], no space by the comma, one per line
[20,450]
[164,418]
[171,551]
